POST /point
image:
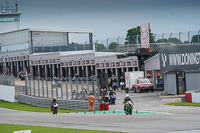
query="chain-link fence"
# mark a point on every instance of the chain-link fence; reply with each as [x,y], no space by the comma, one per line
[77,88]
[131,43]
[8,80]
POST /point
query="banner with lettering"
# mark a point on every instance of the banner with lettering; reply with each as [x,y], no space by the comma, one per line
[144,32]
[180,58]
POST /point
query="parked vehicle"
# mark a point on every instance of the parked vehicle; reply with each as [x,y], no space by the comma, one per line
[128,108]
[142,84]
[130,78]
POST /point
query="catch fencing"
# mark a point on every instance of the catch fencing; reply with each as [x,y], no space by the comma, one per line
[8,80]
[78,88]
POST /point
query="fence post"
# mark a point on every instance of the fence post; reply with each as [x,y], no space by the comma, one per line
[38,87]
[70,81]
[66,90]
[43,87]
[61,89]
[34,86]
[47,88]
[51,80]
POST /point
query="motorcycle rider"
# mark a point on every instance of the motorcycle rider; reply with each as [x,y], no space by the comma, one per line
[54,102]
[111,93]
[126,99]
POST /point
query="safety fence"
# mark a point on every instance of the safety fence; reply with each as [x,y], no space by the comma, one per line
[8,80]
[77,88]
[63,104]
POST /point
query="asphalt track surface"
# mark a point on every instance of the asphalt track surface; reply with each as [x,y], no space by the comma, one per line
[167,119]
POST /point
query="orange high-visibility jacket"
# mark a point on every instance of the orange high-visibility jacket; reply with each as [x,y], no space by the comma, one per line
[91,99]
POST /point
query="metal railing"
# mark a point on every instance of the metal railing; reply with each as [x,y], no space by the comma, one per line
[77,88]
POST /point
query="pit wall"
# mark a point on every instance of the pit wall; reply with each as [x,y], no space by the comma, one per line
[7,93]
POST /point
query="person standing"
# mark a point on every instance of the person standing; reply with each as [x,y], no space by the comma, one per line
[91,100]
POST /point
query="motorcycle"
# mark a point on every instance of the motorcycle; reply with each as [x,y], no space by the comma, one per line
[112,99]
[128,108]
[55,108]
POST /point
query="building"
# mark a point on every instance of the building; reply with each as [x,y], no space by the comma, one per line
[48,53]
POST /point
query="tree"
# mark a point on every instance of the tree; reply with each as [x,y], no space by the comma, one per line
[195,39]
[99,47]
[162,40]
[113,45]
[174,40]
[133,35]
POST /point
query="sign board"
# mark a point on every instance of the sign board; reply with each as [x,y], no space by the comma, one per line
[144,32]
[24,131]
[184,58]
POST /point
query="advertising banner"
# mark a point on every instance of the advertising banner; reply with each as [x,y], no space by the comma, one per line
[144,32]
[180,58]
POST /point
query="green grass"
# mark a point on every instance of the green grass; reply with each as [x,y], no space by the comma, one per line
[9,128]
[30,108]
[185,104]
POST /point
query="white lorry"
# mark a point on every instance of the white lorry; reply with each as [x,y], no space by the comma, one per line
[130,78]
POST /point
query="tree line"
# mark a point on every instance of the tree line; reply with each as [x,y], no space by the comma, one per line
[133,37]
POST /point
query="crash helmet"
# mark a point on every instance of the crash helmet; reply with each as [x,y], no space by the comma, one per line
[127,95]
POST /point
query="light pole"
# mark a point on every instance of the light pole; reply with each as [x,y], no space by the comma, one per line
[198,36]
[85,44]
[189,36]
[95,45]
[107,42]
[155,37]
[162,36]
[170,36]
[118,40]
[180,35]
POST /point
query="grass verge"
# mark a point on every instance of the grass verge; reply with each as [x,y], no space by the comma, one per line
[30,108]
[185,104]
[9,128]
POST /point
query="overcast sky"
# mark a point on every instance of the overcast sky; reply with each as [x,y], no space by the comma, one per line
[111,18]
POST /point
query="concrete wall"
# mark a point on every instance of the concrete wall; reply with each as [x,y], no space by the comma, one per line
[192,81]
[63,104]
[7,93]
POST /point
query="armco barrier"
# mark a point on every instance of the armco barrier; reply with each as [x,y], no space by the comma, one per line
[63,104]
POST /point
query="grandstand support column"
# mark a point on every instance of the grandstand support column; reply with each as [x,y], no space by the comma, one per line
[86,69]
[111,71]
[53,73]
[38,71]
[45,71]
[58,72]
[11,71]
[17,62]
[31,70]
[69,73]
[92,71]
[61,72]
[117,75]
[96,72]
[23,67]
[78,71]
